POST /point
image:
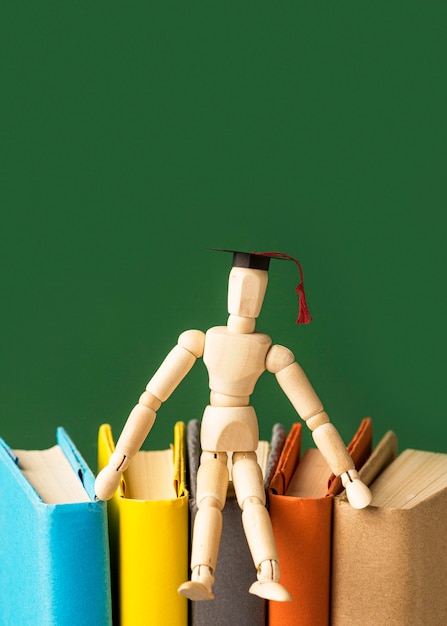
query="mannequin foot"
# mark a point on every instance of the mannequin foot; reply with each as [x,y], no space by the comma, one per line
[270,591]
[193,590]
[200,586]
[267,585]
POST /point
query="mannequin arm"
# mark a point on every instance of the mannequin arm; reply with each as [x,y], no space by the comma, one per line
[295,384]
[169,375]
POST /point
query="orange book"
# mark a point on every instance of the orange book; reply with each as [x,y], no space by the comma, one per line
[301,496]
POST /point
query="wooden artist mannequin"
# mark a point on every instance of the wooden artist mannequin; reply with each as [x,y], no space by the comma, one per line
[235,356]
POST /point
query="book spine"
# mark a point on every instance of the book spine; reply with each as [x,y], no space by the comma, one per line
[235,572]
[24,597]
[394,563]
[77,564]
[153,558]
[302,529]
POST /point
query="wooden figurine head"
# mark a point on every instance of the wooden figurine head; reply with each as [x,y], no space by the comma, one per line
[248,283]
[246,291]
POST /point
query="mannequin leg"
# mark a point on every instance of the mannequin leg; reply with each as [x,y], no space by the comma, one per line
[212,485]
[250,494]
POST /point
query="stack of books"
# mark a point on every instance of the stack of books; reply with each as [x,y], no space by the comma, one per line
[69,559]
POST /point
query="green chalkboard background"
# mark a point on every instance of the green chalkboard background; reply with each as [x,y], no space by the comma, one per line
[133,136]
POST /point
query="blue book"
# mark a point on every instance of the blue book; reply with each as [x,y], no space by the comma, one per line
[53,539]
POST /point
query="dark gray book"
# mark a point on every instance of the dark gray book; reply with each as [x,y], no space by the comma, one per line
[235,571]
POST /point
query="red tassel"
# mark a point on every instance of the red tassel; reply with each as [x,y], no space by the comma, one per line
[304,316]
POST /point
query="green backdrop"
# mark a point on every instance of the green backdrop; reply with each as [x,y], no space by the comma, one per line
[136,135]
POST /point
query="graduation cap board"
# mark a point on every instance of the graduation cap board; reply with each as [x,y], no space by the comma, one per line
[261,261]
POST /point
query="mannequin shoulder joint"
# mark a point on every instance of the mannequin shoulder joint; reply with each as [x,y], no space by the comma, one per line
[278,358]
[193,341]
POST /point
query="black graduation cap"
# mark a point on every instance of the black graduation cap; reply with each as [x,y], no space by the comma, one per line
[253,260]
[261,261]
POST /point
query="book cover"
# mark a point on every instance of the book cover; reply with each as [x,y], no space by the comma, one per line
[302,519]
[53,539]
[392,556]
[149,533]
[235,572]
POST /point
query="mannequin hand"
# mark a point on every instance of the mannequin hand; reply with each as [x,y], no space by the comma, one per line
[359,496]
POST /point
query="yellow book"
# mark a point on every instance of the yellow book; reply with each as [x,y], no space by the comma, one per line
[148,523]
